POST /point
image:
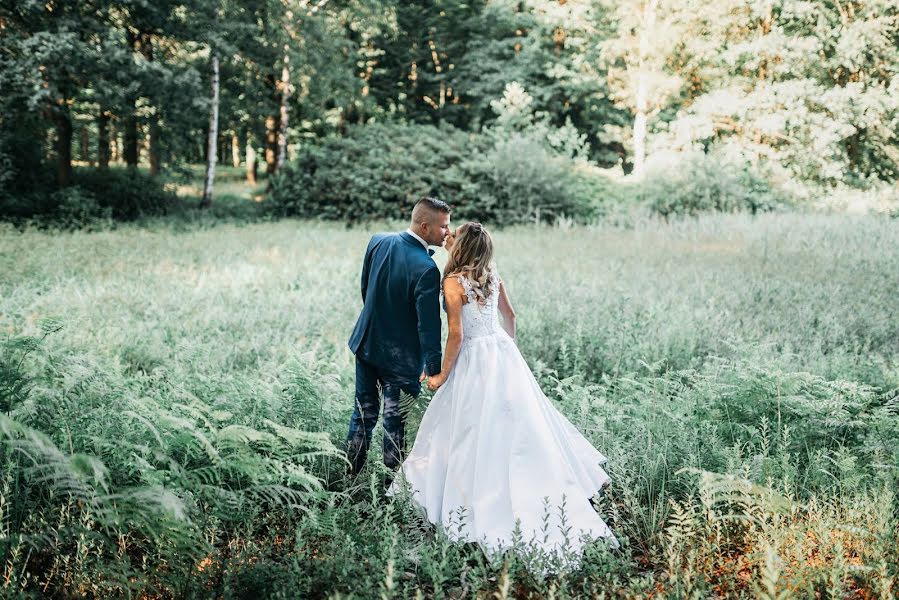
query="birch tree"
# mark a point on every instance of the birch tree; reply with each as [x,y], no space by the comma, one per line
[642,74]
[212,139]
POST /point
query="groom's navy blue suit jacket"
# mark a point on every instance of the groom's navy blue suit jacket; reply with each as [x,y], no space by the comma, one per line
[399,328]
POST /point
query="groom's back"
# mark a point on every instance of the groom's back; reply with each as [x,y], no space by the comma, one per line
[399,281]
[393,266]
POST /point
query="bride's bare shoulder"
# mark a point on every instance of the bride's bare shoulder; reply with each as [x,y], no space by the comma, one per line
[453,289]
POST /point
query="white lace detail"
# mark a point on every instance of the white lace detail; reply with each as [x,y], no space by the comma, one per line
[480,320]
[491,447]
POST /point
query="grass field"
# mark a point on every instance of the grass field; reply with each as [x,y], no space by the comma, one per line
[175,398]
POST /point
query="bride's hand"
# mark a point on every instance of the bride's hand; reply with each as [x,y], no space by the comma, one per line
[435,381]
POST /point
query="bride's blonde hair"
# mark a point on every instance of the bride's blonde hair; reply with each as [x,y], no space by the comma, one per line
[472,256]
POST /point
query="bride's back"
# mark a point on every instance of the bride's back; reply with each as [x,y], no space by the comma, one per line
[480,318]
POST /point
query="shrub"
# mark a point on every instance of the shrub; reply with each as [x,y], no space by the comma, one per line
[94,195]
[74,207]
[126,194]
[375,172]
[113,465]
[21,160]
[691,184]
[379,171]
[519,179]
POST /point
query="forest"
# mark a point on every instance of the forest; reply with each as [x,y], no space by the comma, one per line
[359,107]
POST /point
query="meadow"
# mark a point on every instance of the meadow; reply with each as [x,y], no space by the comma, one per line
[175,397]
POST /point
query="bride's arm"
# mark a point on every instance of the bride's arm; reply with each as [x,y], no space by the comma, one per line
[506,310]
[453,294]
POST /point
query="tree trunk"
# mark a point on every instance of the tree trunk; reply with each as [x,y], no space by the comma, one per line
[285,110]
[271,144]
[63,146]
[640,125]
[145,42]
[213,135]
[115,154]
[641,101]
[85,143]
[235,150]
[132,138]
[154,147]
[251,162]
[131,152]
[103,153]
[50,144]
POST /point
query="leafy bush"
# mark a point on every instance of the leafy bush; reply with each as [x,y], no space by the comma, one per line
[519,180]
[532,170]
[691,184]
[379,171]
[126,194]
[95,195]
[375,172]
[75,207]
[21,159]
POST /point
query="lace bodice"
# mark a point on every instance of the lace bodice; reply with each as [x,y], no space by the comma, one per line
[480,320]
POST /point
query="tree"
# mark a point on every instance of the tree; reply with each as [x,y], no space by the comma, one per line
[418,53]
[211,152]
[47,59]
[640,58]
[153,30]
[808,95]
[292,22]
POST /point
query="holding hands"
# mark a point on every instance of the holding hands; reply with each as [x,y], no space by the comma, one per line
[434,381]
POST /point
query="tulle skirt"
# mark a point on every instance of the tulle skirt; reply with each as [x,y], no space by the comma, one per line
[495,463]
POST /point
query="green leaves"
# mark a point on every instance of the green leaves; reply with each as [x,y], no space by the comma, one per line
[15,380]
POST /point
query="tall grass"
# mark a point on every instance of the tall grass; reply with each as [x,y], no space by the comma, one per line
[175,397]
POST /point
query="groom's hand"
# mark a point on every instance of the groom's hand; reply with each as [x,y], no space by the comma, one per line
[423,377]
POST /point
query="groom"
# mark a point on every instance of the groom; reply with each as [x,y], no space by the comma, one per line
[397,337]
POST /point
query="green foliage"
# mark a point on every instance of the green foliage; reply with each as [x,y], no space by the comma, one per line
[74,207]
[126,194]
[379,171]
[502,188]
[101,467]
[175,447]
[96,197]
[808,97]
[532,170]
[15,382]
[699,183]
[374,172]
[811,93]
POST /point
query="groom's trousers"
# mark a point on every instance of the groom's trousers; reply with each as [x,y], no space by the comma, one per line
[372,383]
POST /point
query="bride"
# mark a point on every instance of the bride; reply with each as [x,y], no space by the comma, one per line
[494,462]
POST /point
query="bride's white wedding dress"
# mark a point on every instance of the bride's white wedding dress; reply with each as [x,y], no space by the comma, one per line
[492,452]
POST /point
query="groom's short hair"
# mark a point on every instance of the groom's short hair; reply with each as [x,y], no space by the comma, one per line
[426,206]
